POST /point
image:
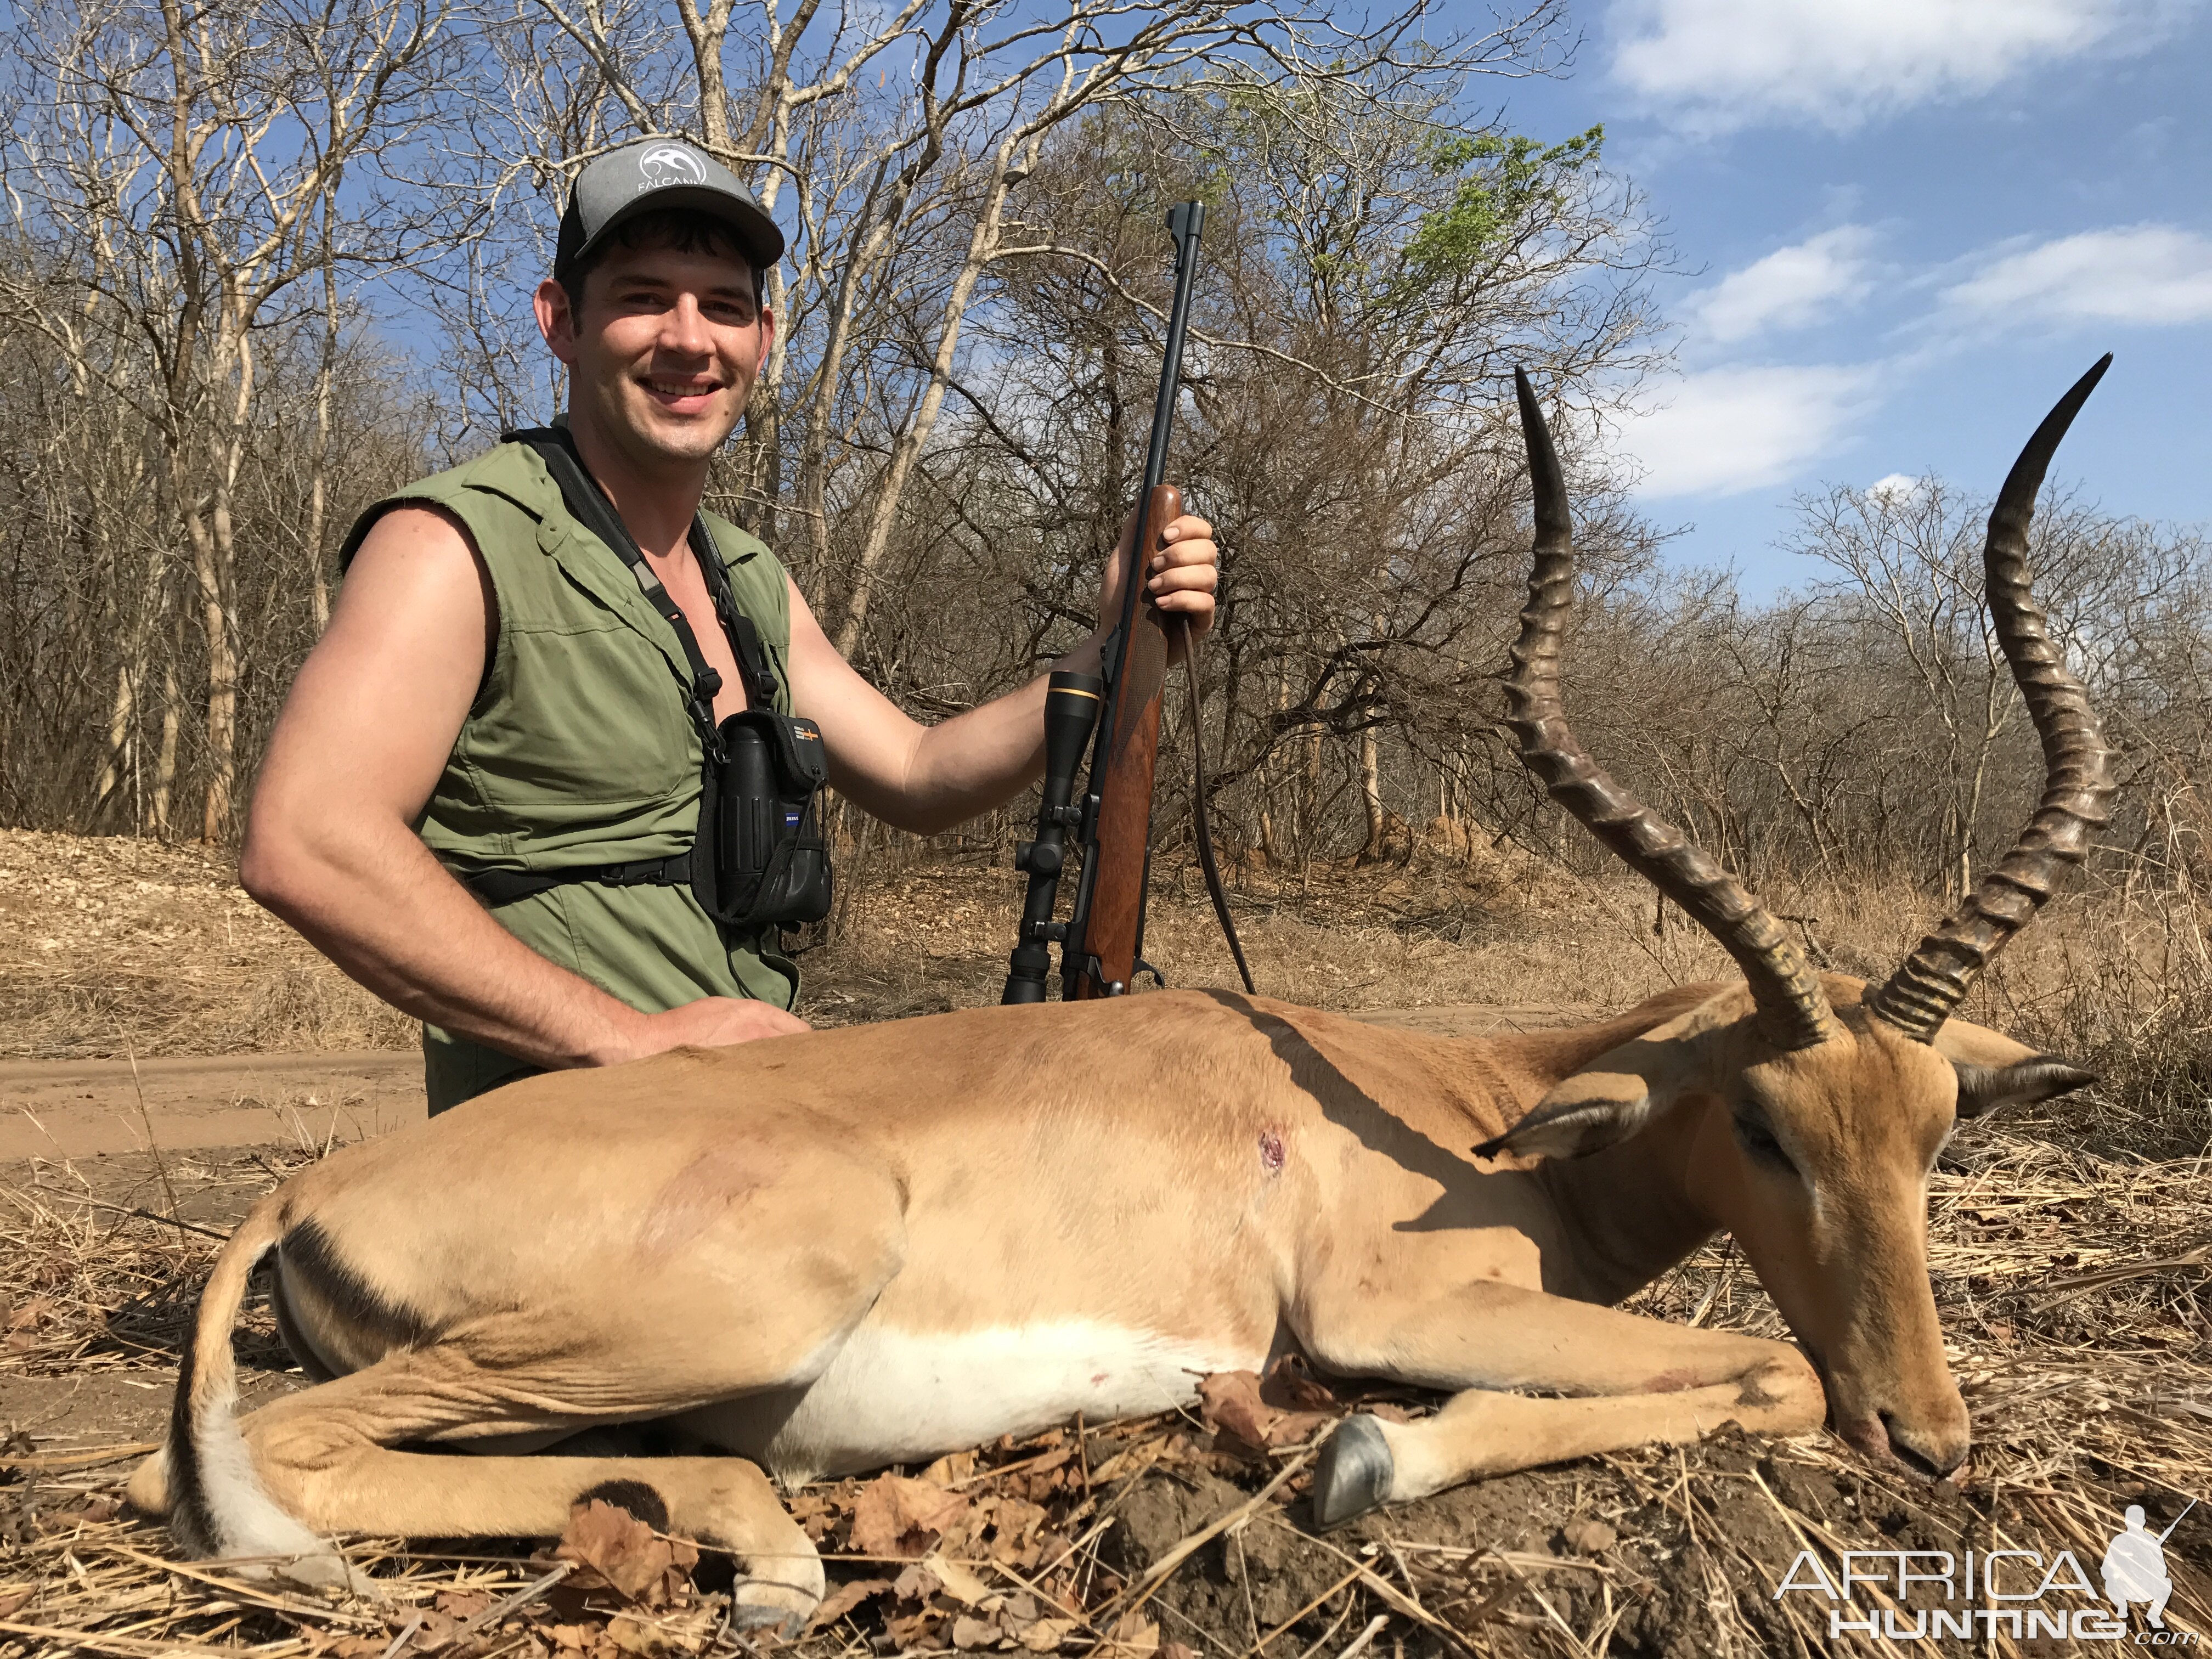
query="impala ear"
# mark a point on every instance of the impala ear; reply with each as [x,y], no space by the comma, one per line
[1581,1115]
[2024,1083]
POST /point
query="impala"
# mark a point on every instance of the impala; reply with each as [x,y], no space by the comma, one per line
[825,1253]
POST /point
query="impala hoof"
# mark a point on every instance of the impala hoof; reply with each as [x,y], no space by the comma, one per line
[759,1604]
[1354,1474]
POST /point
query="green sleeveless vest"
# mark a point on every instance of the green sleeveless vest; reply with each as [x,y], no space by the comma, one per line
[579,751]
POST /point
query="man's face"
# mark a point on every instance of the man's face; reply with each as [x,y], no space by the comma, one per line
[664,351]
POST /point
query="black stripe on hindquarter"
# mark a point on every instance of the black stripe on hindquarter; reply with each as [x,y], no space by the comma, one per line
[316,1368]
[311,1258]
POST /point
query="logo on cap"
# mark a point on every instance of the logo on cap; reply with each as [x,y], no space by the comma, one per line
[670,164]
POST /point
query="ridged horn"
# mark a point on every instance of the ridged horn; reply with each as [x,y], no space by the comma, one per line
[2077,786]
[1793,1010]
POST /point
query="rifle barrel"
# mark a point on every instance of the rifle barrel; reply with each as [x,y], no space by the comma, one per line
[1185,221]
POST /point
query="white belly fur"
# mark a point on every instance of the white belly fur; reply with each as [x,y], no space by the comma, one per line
[896,1397]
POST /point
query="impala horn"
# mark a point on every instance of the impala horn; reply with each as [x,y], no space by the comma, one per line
[2077,785]
[1793,1010]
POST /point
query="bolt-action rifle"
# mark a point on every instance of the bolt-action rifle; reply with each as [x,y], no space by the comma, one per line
[1102,942]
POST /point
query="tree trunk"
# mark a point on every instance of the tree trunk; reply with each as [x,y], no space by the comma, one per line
[215,562]
[1370,791]
[120,714]
[165,763]
[318,482]
[883,514]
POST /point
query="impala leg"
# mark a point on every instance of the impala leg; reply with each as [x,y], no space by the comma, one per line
[325,1456]
[1641,1382]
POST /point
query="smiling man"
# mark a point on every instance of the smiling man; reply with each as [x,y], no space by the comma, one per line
[501,700]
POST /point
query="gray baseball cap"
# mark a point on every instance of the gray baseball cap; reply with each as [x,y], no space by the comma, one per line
[649,175]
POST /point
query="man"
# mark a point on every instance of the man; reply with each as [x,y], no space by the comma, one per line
[496,693]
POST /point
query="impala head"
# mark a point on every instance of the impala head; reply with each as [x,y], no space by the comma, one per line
[1809,1108]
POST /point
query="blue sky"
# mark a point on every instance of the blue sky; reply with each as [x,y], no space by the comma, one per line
[1905,226]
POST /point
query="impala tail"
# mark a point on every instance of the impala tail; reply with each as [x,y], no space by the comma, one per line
[217,1505]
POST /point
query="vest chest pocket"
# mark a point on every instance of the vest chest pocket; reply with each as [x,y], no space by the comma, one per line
[591,727]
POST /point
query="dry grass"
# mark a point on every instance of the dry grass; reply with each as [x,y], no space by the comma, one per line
[110,945]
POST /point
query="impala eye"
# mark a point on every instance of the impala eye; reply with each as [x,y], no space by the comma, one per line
[1759,1143]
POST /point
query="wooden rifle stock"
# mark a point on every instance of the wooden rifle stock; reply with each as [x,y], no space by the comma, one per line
[1114,878]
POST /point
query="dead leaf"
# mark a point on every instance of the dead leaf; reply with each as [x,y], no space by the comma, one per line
[461,1604]
[843,1600]
[1141,1455]
[962,1585]
[1176,1651]
[1134,1637]
[625,1554]
[971,1633]
[436,1632]
[1290,1383]
[572,1639]
[1045,1635]
[641,1640]
[13,1601]
[916,1631]
[1016,1523]
[951,1469]
[1589,1537]
[1046,1465]
[916,1583]
[1230,1402]
[895,1516]
[30,1313]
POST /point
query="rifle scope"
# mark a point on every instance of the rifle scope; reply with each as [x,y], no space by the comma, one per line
[1071,709]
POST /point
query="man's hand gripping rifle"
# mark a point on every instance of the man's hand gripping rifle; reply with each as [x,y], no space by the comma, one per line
[1102,940]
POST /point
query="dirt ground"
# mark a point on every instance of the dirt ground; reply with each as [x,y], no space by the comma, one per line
[2071,1283]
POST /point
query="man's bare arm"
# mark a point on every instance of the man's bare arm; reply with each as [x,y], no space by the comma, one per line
[928,778]
[329,844]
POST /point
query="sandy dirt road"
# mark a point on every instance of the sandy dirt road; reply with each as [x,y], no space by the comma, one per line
[82,1107]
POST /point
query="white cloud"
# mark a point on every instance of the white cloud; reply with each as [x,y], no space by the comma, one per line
[1790,287]
[1729,63]
[2147,274]
[1893,488]
[1727,430]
